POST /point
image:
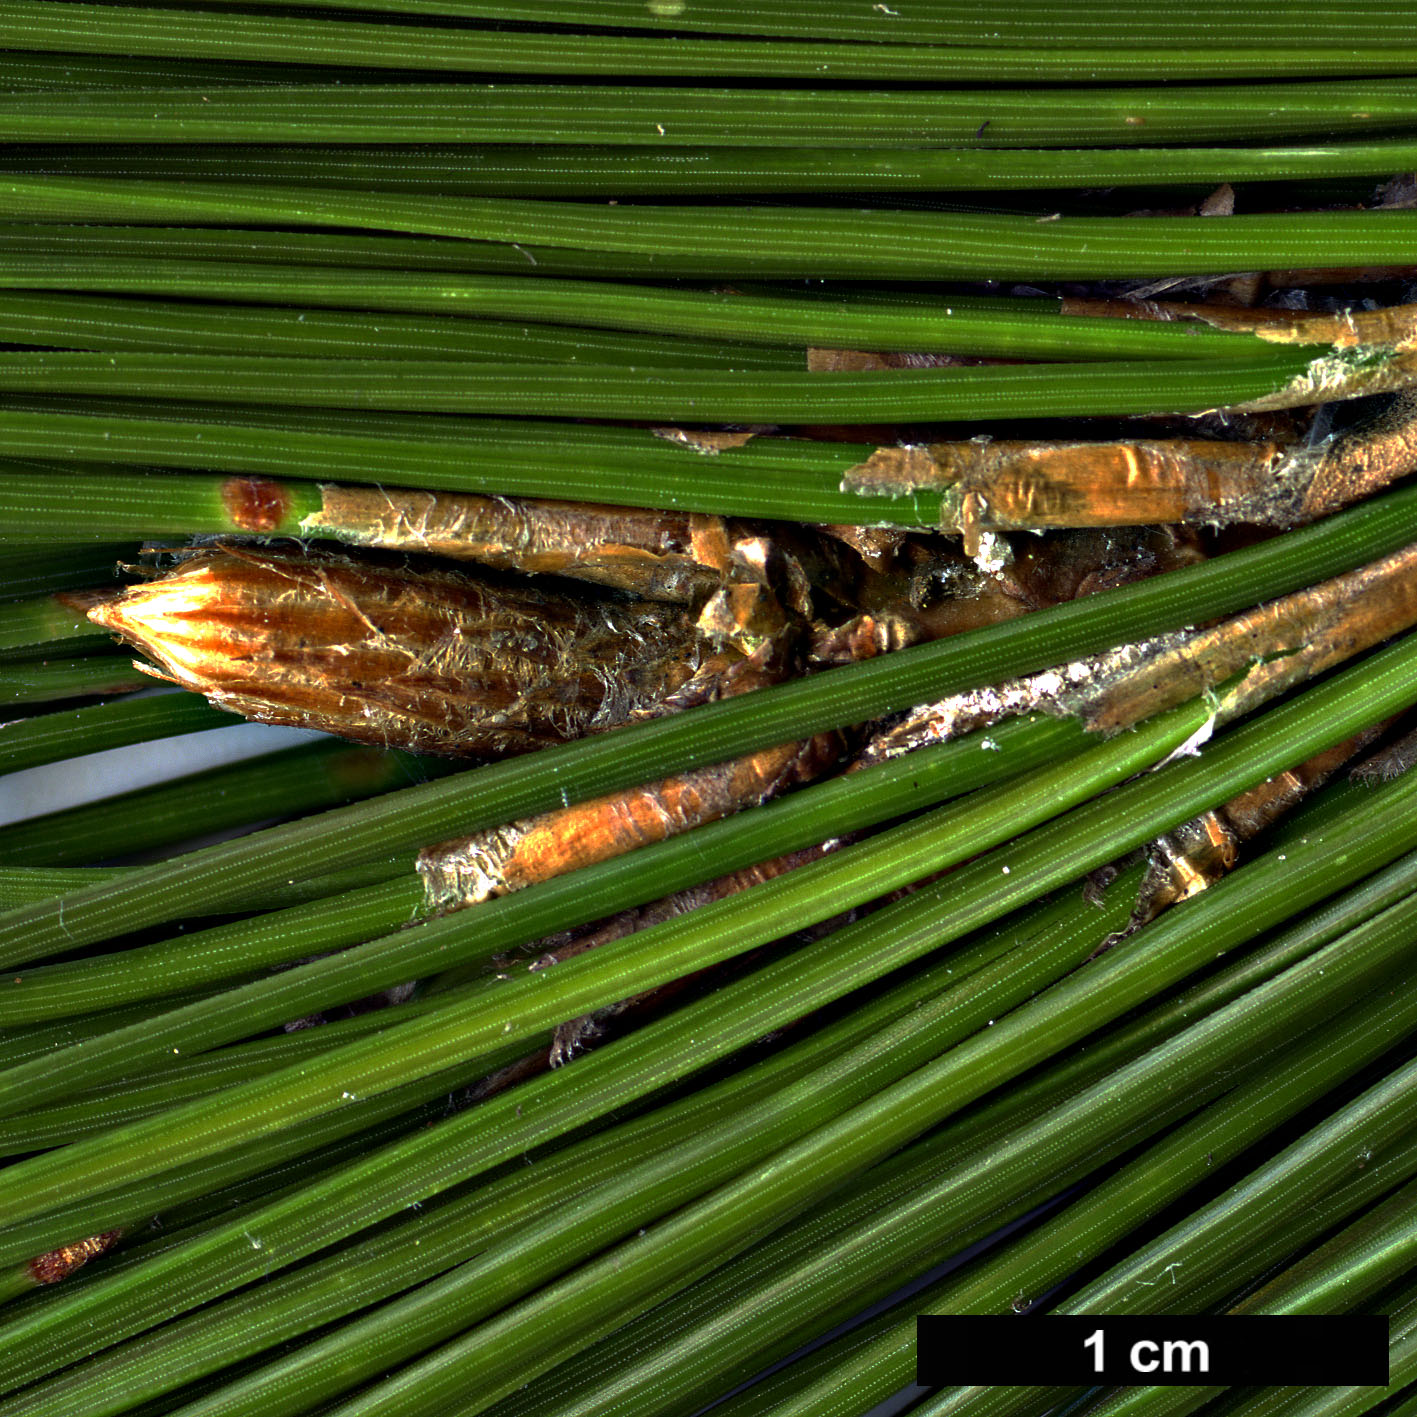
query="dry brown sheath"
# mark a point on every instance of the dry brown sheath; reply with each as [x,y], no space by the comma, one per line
[876,545]
[859,361]
[1200,852]
[662,555]
[1061,691]
[1393,327]
[1009,485]
[492,863]
[1264,651]
[438,662]
[1275,646]
[575,1034]
[1390,761]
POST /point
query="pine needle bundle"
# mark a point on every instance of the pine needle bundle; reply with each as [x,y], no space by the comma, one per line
[850,578]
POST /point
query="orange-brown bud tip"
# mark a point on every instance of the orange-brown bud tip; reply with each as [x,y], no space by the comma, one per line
[175,620]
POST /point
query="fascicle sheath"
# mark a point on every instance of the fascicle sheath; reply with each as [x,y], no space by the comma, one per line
[655,554]
[492,863]
[1015,485]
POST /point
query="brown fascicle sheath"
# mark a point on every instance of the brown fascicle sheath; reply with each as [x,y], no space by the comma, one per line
[1198,853]
[503,859]
[577,1033]
[1013,485]
[661,555]
[1246,659]
[1392,327]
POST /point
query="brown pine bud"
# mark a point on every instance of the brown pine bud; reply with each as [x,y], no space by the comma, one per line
[438,662]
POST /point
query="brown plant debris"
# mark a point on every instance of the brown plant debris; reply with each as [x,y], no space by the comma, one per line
[1390,761]
[662,555]
[532,1065]
[1400,192]
[930,590]
[860,361]
[709,441]
[992,485]
[864,636]
[438,662]
[54,1265]
[877,546]
[576,1034]
[1194,856]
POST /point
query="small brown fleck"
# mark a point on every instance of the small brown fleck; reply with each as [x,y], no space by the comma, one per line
[255,504]
[708,441]
[59,1264]
[1221,202]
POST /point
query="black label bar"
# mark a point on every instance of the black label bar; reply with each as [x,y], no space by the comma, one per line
[1349,1350]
